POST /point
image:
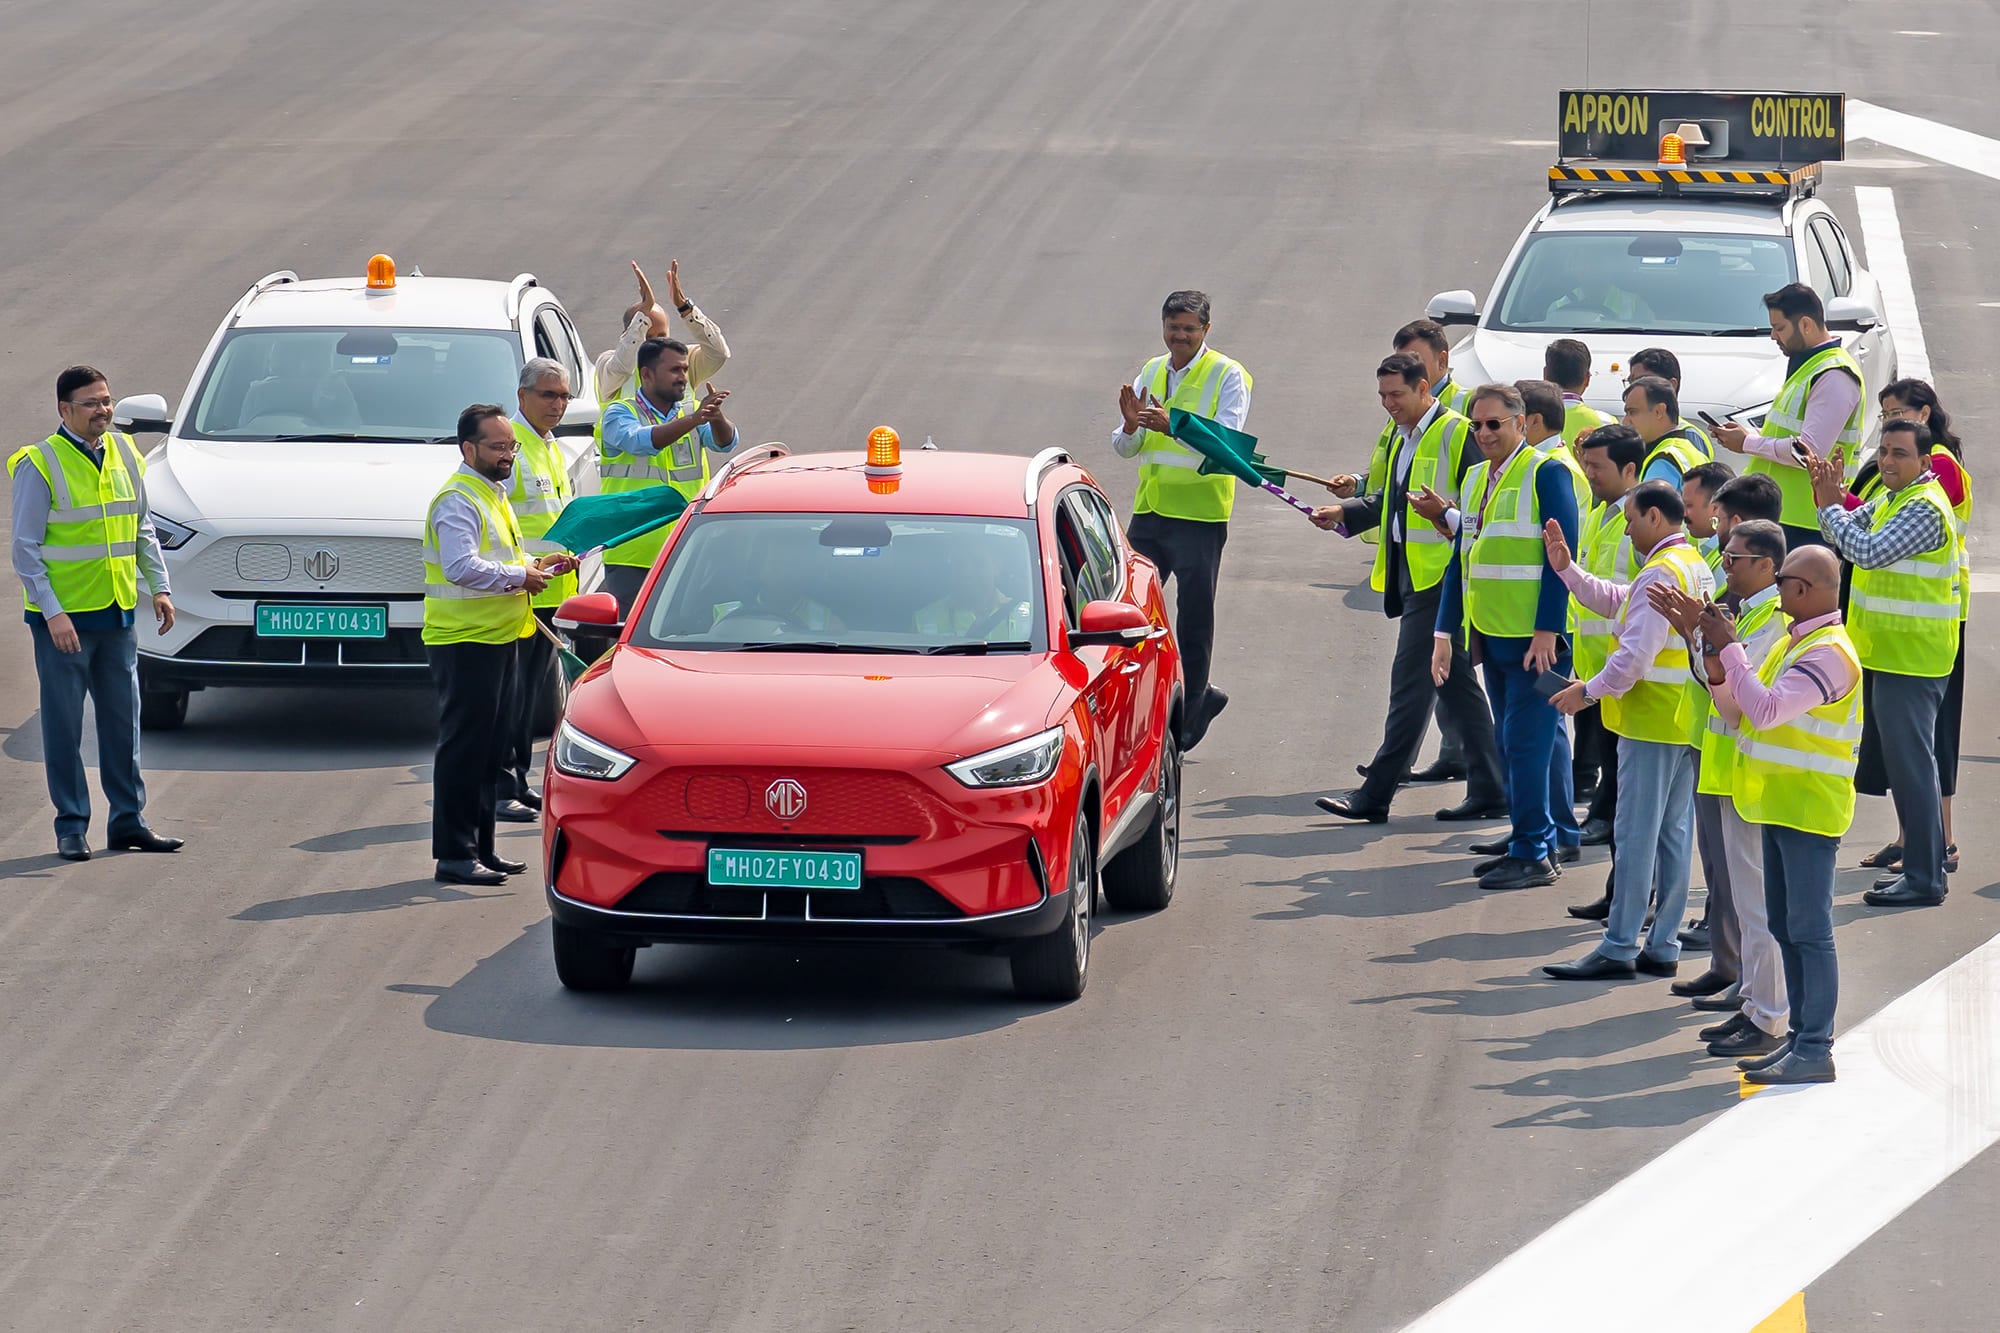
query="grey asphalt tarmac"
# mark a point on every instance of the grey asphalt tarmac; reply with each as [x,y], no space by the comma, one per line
[283,1080]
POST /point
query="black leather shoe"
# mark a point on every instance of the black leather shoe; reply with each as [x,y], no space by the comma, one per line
[142,840]
[73,847]
[1481,869]
[1792,1068]
[1654,967]
[1211,708]
[1596,832]
[1596,911]
[1492,847]
[1695,938]
[1766,1061]
[1469,810]
[1735,1023]
[502,864]
[1569,855]
[1710,982]
[1593,966]
[1514,873]
[1346,808]
[513,812]
[1582,789]
[467,872]
[531,799]
[1438,771]
[1722,1002]
[1900,895]
[1752,1041]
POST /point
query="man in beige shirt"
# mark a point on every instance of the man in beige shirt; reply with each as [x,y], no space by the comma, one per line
[614,373]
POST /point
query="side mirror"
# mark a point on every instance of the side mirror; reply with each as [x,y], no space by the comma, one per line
[1851,314]
[589,610]
[1110,624]
[1448,308]
[143,414]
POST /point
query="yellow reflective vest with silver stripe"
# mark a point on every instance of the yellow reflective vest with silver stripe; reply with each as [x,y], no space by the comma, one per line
[1579,417]
[1554,447]
[455,614]
[1903,618]
[1603,549]
[1455,396]
[1656,708]
[1504,549]
[1716,775]
[91,547]
[1787,419]
[1677,445]
[539,492]
[1961,523]
[1434,463]
[1801,775]
[682,465]
[1171,483]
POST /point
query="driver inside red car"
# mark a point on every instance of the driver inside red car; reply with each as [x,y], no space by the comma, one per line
[976,608]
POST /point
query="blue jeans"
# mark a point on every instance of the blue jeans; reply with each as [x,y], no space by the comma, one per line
[1529,732]
[1654,834]
[106,669]
[1798,893]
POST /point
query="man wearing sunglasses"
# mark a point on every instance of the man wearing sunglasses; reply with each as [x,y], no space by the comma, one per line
[1512,609]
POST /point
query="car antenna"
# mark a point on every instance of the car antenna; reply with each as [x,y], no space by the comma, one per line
[416,271]
[929,443]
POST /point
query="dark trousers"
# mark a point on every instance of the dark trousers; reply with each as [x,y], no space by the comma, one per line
[1529,732]
[537,659]
[623,582]
[476,693]
[1594,738]
[1903,711]
[1411,698]
[1189,552]
[106,671]
[1798,893]
[1451,745]
[1797,537]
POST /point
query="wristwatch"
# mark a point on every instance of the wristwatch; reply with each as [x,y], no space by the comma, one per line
[1588,697]
[685,306]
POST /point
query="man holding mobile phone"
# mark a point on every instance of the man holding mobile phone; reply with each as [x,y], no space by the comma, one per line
[1816,412]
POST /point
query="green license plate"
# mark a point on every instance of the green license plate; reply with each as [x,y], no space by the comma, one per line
[322,622]
[737,869]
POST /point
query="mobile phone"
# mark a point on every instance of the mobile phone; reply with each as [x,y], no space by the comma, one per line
[1799,451]
[1551,683]
[1706,417]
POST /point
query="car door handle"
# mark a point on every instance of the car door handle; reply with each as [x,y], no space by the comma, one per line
[1130,669]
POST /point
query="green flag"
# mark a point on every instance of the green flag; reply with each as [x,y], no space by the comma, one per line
[1231,452]
[591,521]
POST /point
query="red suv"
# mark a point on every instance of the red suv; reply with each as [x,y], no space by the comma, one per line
[924,701]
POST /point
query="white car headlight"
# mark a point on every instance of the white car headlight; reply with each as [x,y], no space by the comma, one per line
[1753,417]
[172,535]
[582,756]
[1019,763]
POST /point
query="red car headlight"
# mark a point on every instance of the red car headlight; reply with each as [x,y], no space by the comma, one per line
[1019,763]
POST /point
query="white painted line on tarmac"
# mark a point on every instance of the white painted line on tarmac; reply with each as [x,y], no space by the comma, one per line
[1926,138]
[1819,1170]
[1882,233]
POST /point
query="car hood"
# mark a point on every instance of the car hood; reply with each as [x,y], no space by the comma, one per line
[236,480]
[720,701]
[1718,375]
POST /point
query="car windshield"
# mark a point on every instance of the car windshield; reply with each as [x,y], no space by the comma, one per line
[350,384]
[829,583]
[1644,282]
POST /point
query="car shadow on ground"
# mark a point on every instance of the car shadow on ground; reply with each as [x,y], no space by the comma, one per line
[726,997]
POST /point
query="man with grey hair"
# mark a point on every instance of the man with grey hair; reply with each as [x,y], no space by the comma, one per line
[541,489]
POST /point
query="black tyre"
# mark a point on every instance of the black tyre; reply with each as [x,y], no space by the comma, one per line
[589,962]
[1141,878]
[1056,965]
[162,710]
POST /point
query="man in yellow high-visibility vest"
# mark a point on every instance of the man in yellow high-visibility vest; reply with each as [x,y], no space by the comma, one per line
[1658,361]
[615,374]
[1902,614]
[1798,720]
[83,539]
[1652,409]
[1566,364]
[1180,515]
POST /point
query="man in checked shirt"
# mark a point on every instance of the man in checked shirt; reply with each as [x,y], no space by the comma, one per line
[1902,615]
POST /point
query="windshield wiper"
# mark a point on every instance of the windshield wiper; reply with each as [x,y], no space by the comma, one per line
[817,646]
[328,437]
[979,649]
[1764,332]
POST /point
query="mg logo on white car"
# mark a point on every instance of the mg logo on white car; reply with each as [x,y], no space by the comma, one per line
[785,799]
[321,565]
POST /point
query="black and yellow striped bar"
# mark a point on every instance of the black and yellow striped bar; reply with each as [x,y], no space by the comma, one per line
[1706,180]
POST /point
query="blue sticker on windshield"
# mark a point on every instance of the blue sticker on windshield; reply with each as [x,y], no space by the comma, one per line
[367,360]
[1664,261]
[857,550]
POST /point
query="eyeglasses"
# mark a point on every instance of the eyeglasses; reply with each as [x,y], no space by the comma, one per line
[1491,423]
[90,404]
[553,395]
[1731,557]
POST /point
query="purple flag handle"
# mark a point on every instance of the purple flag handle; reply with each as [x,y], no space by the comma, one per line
[1290,499]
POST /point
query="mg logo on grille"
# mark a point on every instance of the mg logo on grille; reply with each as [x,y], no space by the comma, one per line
[785,799]
[321,565]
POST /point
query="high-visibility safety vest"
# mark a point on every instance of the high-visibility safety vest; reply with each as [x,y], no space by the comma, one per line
[1961,523]
[92,544]
[1504,550]
[1434,462]
[1456,398]
[1656,708]
[1801,775]
[682,465]
[1787,418]
[540,490]
[1903,618]
[1171,483]
[1716,775]
[1603,549]
[1711,551]
[453,614]
[1700,438]
[1578,418]
[1555,447]
[1678,445]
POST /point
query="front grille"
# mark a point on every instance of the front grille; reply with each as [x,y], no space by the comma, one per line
[880,898]
[281,564]
[850,803]
[690,895]
[232,643]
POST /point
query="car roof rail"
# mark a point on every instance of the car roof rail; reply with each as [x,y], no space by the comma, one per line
[263,284]
[1038,467]
[738,462]
[520,284]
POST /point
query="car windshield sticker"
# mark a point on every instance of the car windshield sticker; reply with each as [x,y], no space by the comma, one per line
[857,550]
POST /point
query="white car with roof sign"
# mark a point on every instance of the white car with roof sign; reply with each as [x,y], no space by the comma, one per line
[291,488]
[1632,252]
